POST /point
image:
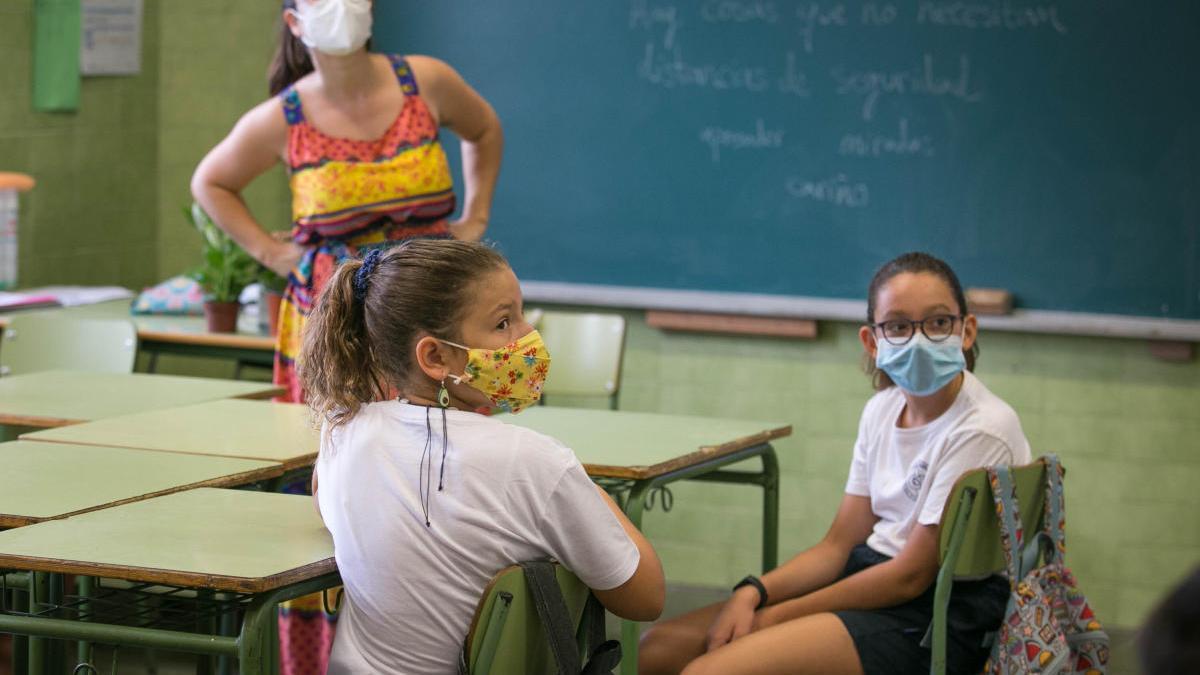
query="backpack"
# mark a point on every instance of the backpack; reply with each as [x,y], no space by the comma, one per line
[1048,626]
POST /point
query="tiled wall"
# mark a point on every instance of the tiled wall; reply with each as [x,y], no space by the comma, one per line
[1125,425]
[92,218]
[214,59]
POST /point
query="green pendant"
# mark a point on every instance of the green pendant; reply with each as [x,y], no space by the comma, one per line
[443,396]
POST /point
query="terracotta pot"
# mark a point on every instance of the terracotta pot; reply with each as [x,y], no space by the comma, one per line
[221,316]
[273,301]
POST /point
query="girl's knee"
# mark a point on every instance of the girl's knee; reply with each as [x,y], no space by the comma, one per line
[660,651]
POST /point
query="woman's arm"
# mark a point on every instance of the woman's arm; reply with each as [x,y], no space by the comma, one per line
[640,598]
[458,107]
[254,145]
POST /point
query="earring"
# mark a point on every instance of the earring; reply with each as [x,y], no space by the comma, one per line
[443,396]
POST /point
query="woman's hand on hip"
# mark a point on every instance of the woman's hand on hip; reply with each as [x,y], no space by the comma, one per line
[283,257]
[468,229]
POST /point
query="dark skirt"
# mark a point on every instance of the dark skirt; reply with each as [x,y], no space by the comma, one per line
[889,640]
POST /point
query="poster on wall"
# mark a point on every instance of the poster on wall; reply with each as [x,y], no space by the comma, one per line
[111,39]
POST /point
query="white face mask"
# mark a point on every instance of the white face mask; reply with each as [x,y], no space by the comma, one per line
[335,27]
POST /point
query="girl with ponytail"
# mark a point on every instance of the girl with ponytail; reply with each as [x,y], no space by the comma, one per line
[426,497]
[358,135]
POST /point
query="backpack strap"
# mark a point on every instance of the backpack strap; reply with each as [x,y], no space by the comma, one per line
[1055,518]
[603,655]
[1004,494]
[404,73]
[552,610]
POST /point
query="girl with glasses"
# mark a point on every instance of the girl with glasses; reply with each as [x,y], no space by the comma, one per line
[861,599]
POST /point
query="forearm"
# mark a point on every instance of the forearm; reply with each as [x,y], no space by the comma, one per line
[481,167]
[883,585]
[809,570]
[229,211]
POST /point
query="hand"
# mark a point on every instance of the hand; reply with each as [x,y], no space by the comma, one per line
[468,229]
[282,257]
[735,619]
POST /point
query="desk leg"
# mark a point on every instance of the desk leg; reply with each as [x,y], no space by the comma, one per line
[39,588]
[634,504]
[770,535]
[83,586]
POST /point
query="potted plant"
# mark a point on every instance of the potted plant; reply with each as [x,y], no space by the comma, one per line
[273,286]
[224,271]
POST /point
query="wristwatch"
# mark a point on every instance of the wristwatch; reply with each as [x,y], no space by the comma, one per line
[752,580]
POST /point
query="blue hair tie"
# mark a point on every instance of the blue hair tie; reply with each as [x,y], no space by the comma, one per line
[362,276]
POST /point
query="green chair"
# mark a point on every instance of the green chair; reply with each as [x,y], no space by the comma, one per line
[969,542]
[508,635]
[587,350]
[34,342]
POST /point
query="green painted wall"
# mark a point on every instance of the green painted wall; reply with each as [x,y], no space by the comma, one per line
[92,217]
[1125,425]
[214,59]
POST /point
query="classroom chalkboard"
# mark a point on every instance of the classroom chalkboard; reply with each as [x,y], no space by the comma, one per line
[790,147]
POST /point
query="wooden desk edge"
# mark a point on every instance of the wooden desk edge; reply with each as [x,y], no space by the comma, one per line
[293,463]
[264,395]
[37,421]
[216,582]
[704,453]
[235,340]
[9,520]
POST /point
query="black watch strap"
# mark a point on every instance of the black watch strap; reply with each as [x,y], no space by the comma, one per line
[752,580]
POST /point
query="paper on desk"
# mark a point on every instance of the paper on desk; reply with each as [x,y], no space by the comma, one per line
[70,296]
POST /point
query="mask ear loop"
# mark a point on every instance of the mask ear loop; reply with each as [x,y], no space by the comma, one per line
[423,477]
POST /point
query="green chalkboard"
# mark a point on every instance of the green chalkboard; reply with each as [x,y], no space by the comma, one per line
[789,148]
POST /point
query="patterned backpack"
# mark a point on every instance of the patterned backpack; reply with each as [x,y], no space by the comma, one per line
[1048,627]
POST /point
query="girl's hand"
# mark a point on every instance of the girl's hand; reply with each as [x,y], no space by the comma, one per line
[735,619]
[282,257]
[467,229]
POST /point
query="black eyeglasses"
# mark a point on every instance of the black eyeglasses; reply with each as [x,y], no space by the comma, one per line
[899,331]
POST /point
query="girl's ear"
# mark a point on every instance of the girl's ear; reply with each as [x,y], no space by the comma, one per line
[432,358]
[970,331]
[866,335]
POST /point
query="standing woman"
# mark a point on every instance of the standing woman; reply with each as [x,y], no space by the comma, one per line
[358,133]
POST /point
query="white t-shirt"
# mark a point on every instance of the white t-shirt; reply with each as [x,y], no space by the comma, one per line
[908,473]
[510,495]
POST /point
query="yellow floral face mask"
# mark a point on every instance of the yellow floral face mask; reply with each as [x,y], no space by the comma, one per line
[512,376]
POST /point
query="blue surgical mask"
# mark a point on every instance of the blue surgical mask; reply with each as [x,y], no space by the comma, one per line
[921,366]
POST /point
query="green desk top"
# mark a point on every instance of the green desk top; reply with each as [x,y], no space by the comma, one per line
[619,444]
[229,540]
[272,432]
[41,481]
[57,397]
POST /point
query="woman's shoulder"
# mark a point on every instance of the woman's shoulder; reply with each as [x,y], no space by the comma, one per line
[985,413]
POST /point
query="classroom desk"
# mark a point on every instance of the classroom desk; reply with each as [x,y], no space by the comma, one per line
[242,551]
[635,454]
[261,430]
[187,335]
[45,481]
[54,398]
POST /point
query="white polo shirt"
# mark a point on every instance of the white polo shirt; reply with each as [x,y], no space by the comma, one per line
[510,494]
[908,473]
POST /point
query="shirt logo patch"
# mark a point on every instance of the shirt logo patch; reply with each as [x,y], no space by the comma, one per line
[916,477]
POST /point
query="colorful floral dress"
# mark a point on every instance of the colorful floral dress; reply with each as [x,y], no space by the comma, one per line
[349,197]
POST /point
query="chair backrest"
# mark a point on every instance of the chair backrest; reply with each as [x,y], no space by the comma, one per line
[980,554]
[506,636]
[586,349]
[34,342]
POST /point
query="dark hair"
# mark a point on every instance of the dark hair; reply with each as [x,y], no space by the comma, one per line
[914,263]
[352,348]
[1169,641]
[291,61]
